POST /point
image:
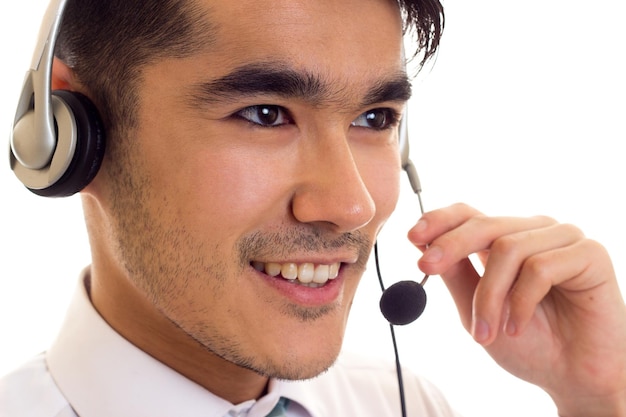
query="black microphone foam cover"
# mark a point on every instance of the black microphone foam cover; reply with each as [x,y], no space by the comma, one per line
[403,302]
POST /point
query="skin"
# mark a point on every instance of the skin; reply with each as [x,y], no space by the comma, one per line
[180,209]
[188,199]
[547,308]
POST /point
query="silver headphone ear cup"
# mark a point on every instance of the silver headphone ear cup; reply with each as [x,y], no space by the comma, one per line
[88,150]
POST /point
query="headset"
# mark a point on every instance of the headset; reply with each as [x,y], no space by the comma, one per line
[57,142]
[57,145]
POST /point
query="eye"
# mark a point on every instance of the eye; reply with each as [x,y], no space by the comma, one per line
[377,119]
[265,115]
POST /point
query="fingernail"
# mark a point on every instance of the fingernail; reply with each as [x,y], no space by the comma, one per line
[480,330]
[420,226]
[416,232]
[433,254]
[510,328]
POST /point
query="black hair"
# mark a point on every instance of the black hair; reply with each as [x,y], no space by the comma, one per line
[426,19]
[108,42]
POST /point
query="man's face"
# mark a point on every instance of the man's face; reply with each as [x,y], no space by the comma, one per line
[272,155]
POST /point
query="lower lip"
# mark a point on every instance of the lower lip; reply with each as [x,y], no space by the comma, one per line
[306,296]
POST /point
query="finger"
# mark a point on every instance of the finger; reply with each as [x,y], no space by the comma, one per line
[483,256]
[437,222]
[461,281]
[567,268]
[509,255]
[474,235]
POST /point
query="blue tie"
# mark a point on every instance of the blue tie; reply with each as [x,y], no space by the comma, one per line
[281,408]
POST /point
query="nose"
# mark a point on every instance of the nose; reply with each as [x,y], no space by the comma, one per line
[332,193]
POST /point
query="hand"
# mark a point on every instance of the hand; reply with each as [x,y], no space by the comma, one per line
[548,307]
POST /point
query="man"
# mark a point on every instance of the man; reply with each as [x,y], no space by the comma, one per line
[225,247]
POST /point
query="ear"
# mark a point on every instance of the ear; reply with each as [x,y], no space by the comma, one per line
[62,76]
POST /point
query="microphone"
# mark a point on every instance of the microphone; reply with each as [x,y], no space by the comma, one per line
[403,302]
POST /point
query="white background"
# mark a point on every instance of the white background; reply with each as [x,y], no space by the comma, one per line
[522,114]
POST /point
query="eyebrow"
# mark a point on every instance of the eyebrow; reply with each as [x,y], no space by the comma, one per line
[285,81]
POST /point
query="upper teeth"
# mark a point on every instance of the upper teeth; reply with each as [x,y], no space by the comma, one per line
[306,273]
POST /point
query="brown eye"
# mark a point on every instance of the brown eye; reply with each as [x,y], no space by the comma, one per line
[377,119]
[265,115]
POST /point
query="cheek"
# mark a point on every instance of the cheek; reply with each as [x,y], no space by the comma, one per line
[382,179]
[208,173]
[227,190]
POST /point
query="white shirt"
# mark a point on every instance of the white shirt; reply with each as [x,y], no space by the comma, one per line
[92,371]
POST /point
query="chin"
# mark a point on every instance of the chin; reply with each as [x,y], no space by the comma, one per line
[302,370]
[300,364]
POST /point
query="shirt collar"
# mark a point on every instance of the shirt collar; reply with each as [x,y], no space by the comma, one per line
[102,374]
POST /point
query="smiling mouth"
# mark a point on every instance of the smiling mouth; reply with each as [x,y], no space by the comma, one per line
[307,274]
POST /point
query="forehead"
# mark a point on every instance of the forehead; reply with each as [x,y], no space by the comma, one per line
[350,39]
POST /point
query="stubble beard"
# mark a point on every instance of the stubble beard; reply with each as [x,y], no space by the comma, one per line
[163,260]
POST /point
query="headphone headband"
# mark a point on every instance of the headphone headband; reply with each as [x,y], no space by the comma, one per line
[50,135]
[34,115]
